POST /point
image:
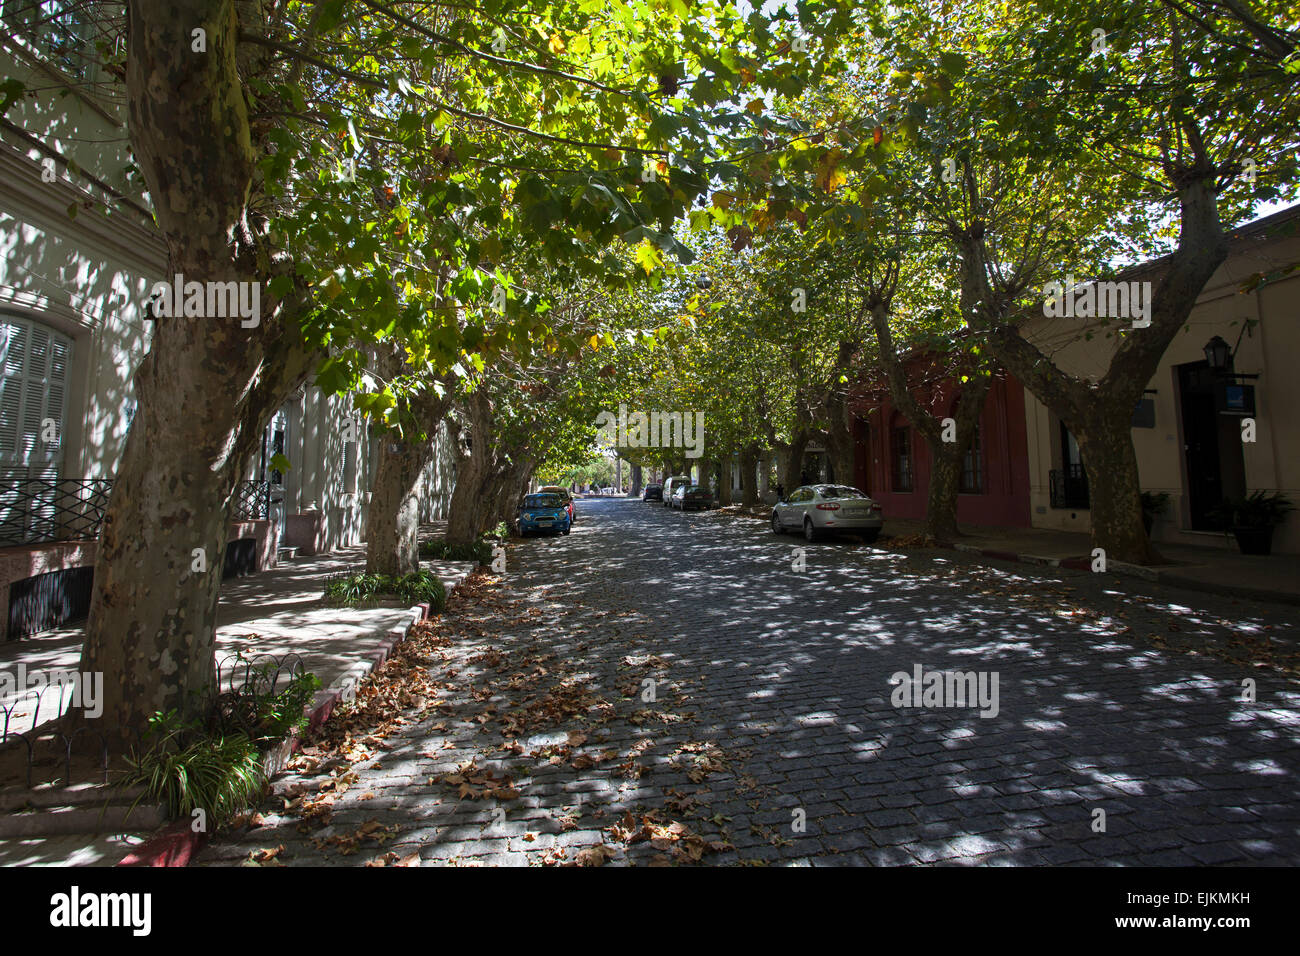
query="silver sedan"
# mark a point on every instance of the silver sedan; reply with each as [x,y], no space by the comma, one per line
[819,510]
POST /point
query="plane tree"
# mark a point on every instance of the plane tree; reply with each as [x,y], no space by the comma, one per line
[1074,134]
[252,126]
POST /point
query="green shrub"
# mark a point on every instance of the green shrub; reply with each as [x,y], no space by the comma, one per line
[263,717]
[422,587]
[439,549]
[358,587]
[281,713]
[220,775]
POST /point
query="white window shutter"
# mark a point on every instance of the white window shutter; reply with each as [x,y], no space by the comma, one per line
[13,357]
[34,365]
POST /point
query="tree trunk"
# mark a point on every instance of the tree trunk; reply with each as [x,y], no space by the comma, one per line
[1102,410]
[393,515]
[507,486]
[1114,486]
[839,441]
[748,476]
[466,513]
[204,391]
[947,459]
[636,481]
[792,461]
[724,481]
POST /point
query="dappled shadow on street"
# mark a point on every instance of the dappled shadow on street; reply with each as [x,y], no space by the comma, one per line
[1094,714]
[667,688]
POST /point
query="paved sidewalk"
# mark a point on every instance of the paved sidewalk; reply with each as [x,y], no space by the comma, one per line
[277,612]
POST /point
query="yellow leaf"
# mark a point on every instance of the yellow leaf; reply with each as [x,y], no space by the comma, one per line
[594,342]
[556,44]
[828,174]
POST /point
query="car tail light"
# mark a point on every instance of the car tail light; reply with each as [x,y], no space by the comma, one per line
[828,506]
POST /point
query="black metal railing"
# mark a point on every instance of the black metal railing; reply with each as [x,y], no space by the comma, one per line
[41,510]
[252,501]
[34,510]
[1069,487]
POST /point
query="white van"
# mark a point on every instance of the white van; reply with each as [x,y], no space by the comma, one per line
[672,484]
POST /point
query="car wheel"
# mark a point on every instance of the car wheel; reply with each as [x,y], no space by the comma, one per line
[809,532]
[870,536]
[776,524]
[566,531]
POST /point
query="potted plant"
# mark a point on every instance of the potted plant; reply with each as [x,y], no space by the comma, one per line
[1154,504]
[1253,518]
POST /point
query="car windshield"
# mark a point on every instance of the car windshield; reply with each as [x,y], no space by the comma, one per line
[692,489]
[542,501]
[840,491]
[556,491]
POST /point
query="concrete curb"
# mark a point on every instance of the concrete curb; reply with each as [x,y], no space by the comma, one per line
[178,845]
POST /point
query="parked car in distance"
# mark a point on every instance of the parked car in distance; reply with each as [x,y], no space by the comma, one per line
[692,497]
[566,495]
[671,485]
[819,510]
[543,511]
[653,493]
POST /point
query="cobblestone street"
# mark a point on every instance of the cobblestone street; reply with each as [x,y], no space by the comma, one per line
[663,688]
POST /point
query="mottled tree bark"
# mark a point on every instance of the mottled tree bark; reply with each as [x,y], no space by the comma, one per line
[393,514]
[465,518]
[839,440]
[1114,487]
[947,459]
[205,390]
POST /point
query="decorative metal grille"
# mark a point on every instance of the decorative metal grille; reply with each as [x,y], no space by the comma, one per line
[34,510]
[252,501]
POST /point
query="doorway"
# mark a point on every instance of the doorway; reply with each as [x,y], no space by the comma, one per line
[1215,467]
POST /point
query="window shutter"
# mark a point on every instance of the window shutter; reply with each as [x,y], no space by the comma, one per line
[34,364]
[12,360]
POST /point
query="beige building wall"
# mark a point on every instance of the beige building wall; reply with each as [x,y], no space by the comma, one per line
[1266,349]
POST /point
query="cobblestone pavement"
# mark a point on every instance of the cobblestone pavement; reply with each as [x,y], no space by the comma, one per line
[771,736]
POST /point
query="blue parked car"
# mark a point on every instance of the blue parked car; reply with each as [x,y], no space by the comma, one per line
[543,512]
